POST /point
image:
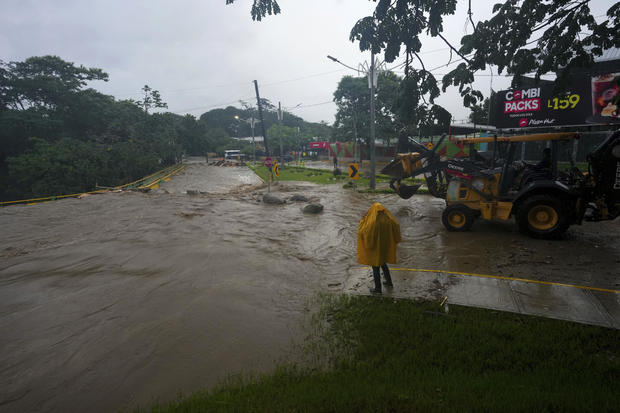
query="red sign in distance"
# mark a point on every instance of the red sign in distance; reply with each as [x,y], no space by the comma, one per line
[523,122]
[268,163]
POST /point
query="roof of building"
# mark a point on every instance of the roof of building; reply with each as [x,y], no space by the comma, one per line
[249,138]
[608,54]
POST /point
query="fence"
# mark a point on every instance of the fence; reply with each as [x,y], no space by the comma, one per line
[152,181]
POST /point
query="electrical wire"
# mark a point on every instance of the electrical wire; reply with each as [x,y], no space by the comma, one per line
[300,78]
[211,106]
[312,105]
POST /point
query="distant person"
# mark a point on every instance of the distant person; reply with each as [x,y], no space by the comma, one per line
[545,162]
[539,171]
[378,234]
[335,162]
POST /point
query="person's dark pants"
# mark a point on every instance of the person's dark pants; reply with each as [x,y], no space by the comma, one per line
[377,276]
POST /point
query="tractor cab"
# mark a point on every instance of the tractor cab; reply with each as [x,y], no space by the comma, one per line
[514,174]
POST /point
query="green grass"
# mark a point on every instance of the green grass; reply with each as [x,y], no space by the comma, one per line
[324,177]
[382,354]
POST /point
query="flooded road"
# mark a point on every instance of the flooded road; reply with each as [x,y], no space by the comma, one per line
[119,299]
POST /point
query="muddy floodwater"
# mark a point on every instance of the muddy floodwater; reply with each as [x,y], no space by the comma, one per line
[121,299]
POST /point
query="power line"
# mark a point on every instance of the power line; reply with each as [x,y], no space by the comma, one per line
[212,106]
[301,78]
[185,89]
[314,104]
[232,84]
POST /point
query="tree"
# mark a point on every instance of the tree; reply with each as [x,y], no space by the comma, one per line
[352,97]
[523,36]
[42,82]
[480,113]
[152,99]
[353,101]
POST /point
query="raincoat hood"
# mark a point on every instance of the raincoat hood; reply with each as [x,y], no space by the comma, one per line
[378,234]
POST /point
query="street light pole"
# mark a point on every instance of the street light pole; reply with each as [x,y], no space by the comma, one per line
[372,120]
[280,130]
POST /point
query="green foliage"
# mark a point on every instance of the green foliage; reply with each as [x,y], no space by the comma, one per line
[151,99]
[537,36]
[370,354]
[236,122]
[46,81]
[352,97]
[480,113]
[57,137]
[261,8]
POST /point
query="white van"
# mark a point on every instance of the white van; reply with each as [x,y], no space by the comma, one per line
[233,154]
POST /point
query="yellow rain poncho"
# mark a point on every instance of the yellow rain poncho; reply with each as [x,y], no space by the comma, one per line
[377,235]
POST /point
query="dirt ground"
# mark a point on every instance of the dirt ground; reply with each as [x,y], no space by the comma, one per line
[121,299]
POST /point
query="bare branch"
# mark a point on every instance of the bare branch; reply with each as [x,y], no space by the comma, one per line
[452,48]
[420,60]
[470,18]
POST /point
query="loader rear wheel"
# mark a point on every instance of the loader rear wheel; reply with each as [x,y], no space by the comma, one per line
[457,218]
[542,216]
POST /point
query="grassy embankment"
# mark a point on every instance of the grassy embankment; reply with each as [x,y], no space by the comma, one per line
[402,356]
[324,177]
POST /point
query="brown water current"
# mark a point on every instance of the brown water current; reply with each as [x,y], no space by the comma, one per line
[116,300]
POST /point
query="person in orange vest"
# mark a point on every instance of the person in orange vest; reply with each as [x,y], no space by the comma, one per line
[378,234]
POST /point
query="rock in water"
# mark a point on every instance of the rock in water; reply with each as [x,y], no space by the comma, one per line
[313,208]
[272,199]
[298,197]
[192,192]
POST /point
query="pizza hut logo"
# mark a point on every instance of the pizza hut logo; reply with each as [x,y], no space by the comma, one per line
[523,122]
[525,100]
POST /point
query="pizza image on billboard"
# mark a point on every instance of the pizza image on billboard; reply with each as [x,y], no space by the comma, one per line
[604,89]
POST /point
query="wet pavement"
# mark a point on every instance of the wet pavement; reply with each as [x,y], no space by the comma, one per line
[563,302]
[119,299]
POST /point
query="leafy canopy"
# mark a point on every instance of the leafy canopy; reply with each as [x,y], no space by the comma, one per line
[522,37]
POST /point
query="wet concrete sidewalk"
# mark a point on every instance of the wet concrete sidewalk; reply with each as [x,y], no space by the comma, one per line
[588,305]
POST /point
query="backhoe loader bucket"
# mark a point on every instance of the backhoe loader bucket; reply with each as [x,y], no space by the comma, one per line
[403,191]
[403,166]
[407,191]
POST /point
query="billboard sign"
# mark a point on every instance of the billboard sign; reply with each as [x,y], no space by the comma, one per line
[319,145]
[585,102]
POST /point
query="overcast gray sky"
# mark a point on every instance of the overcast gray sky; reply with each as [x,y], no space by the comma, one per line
[202,54]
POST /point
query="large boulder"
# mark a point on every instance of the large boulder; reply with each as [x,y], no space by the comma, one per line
[272,199]
[299,198]
[313,208]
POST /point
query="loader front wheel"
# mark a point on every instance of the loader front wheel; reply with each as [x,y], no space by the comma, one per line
[542,216]
[457,218]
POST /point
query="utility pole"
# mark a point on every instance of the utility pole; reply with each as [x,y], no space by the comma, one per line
[280,130]
[253,143]
[371,79]
[260,117]
[355,146]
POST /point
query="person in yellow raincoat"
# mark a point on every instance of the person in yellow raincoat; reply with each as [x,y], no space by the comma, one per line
[378,234]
